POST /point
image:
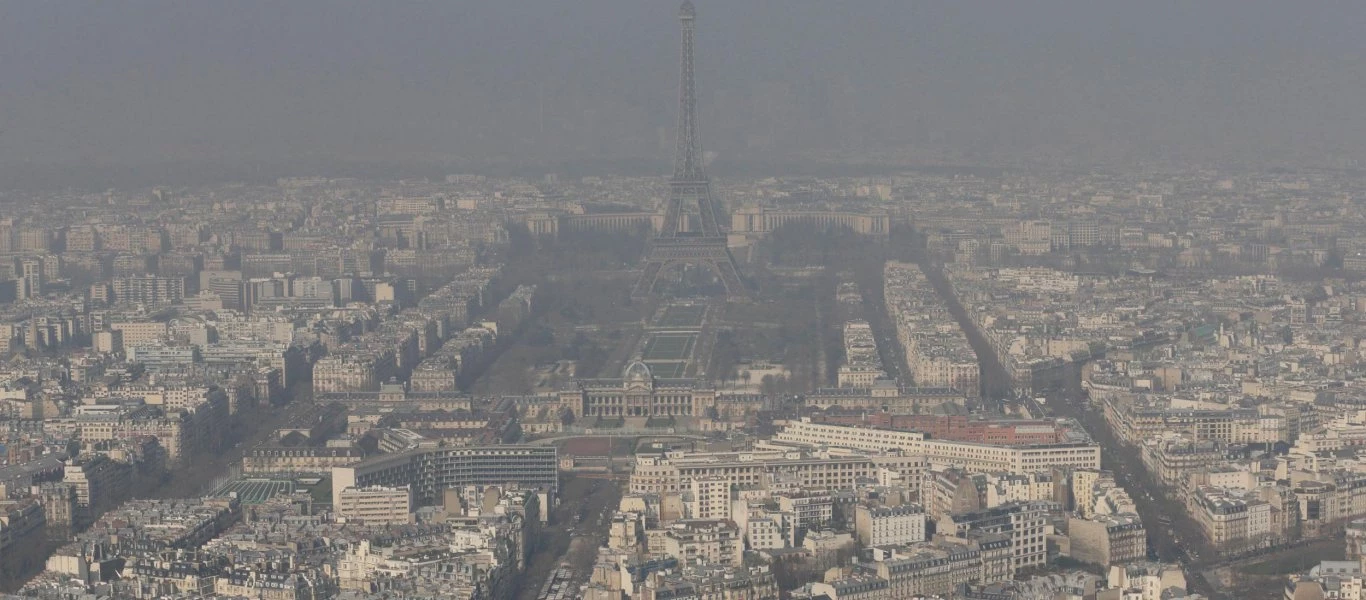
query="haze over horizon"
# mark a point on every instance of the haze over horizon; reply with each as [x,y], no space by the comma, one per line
[529,81]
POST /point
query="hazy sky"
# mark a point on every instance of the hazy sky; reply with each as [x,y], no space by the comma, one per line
[131,82]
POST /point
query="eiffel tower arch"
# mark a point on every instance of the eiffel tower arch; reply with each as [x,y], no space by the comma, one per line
[691,189]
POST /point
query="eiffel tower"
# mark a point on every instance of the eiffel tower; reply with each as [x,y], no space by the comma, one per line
[689,187]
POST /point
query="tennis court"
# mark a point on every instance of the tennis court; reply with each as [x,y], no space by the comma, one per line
[669,347]
[683,315]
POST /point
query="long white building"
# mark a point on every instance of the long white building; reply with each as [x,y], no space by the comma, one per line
[974,457]
[673,472]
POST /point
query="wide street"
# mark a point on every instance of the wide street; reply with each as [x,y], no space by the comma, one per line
[1163,517]
[568,545]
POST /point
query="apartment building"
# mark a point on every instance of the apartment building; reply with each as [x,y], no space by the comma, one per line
[430,470]
[856,587]
[710,498]
[713,582]
[350,373]
[139,333]
[671,473]
[936,570]
[1233,519]
[1107,539]
[971,456]
[1172,460]
[889,525]
[1136,419]
[21,533]
[704,542]
[805,511]
[376,505]
[151,290]
[1026,523]
[100,483]
[884,395]
[954,490]
[959,428]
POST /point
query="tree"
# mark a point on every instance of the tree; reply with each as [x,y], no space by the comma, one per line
[513,433]
[725,356]
[791,572]
[570,314]
[768,386]
[566,416]
[541,336]
[839,521]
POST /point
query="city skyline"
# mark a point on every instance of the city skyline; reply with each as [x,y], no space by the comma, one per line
[1055,84]
[1033,301]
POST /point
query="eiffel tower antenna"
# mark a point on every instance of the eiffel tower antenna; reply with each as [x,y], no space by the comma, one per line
[688,154]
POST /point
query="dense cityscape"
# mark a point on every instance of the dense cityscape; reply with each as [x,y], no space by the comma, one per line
[938,383]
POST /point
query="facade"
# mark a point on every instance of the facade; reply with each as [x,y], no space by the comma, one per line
[350,373]
[1137,421]
[631,222]
[274,459]
[377,505]
[765,534]
[672,474]
[862,363]
[183,433]
[885,395]
[889,525]
[858,587]
[971,456]
[762,221]
[148,289]
[954,490]
[936,364]
[430,470]
[58,500]
[1173,460]
[99,482]
[436,374]
[1108,539]
[1356,539]
[1025,523]
[958,428]
[22,533]
[704,542]
[805,512]
[638,393]
[931,571]
[139,333]
[710,498]
[713,582]
[1232,519]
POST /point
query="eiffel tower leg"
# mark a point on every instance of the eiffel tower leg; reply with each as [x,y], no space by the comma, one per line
[730,278]
[707,216]
[645,285]
[729,274]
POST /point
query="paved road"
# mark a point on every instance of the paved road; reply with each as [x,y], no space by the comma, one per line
[579,522]
[995,380]
[1165,519]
